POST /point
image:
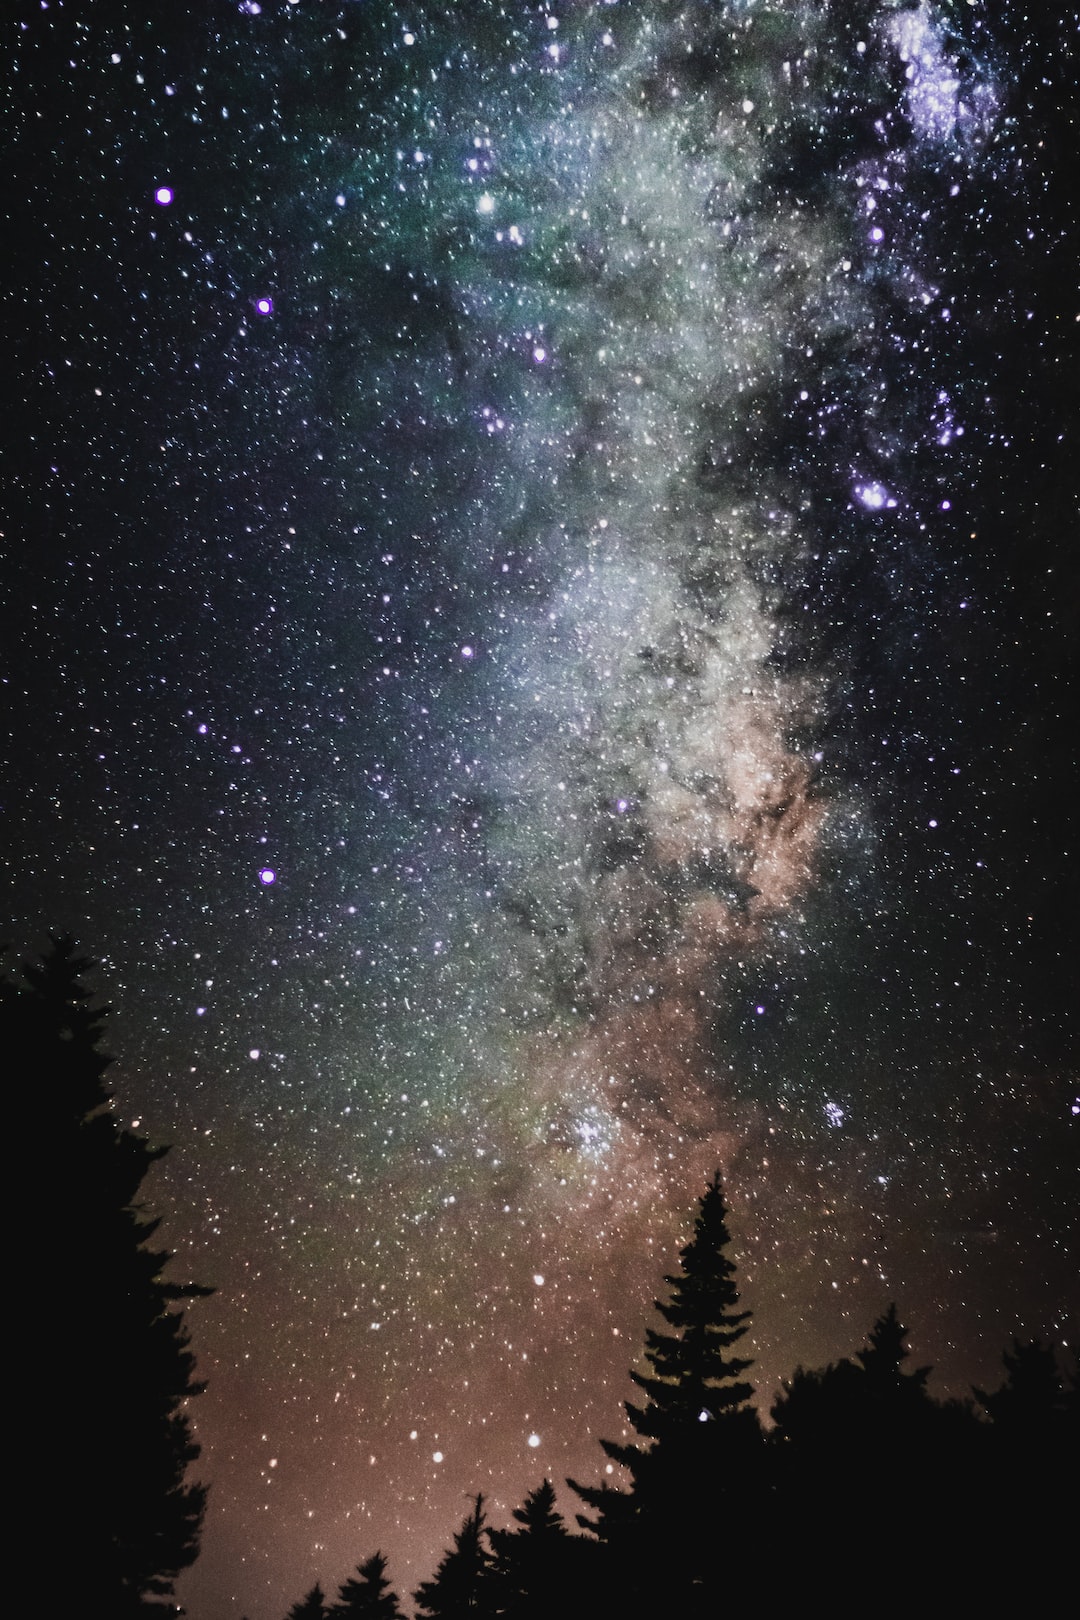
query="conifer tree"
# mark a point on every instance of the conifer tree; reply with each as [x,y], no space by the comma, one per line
[701,1456]
[882,1361]
[312,1607]
[1027,1495]
[112,1369]
[694,1383]
[858,1401]
[460,1586]
[694,1380]
[861,1448]
[1034,1400]
[370,1597]
[535,1570]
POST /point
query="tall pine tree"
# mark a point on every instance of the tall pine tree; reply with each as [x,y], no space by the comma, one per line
[701,1453]
[111,1370]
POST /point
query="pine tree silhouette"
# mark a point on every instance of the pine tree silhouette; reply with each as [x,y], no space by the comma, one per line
[858,1402]
[312,1607]
[703,1448]
[694,1380]
[460,1586]
[1035,1399]
[865,1459]
[1027,1494]
[882,1361]
[112,1370]
[370,1597]
[539,1567]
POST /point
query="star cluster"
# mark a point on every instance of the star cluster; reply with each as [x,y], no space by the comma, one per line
[536,653]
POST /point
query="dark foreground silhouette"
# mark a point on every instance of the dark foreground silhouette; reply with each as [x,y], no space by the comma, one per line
[109,1368]
[864,1489]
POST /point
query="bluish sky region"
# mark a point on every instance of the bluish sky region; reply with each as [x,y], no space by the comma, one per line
[539,605]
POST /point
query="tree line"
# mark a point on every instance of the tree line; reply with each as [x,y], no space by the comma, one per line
[862,1488]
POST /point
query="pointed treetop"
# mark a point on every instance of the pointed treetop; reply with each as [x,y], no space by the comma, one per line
[884,1356]
[370,1597]
[703,1259]
[1034,1397]
[540,1521]
[693,1378]
[312,1607]
[696,1399]
[538,1513]
[462,1574]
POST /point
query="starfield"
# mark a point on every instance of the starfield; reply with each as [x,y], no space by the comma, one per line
[538,615]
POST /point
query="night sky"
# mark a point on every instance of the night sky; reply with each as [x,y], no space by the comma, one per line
[541,565]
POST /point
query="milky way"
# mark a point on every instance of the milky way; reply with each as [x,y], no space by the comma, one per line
[539,661]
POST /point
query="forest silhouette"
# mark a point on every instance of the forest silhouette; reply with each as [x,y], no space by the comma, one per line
[863,1488]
